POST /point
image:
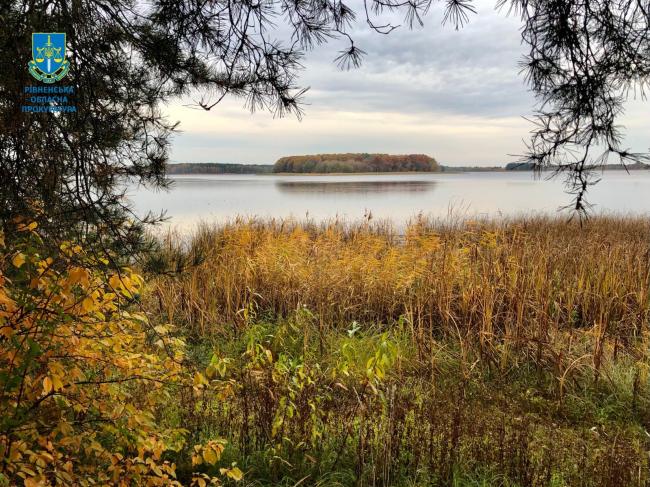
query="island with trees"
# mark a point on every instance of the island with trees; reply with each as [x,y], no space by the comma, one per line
[356,163]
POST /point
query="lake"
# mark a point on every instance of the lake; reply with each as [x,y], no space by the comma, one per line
[398,197]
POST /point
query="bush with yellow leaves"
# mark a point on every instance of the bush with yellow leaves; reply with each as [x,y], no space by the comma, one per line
[82,373]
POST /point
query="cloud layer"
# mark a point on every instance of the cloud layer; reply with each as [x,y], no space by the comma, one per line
[455,95]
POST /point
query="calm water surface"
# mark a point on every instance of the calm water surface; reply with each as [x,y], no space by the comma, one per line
[398,197]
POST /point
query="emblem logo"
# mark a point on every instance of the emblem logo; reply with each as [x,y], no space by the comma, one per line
[48,62]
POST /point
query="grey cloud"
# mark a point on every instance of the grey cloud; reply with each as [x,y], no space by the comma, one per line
[473,71]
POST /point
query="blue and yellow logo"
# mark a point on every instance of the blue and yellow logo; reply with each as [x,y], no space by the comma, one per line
[48,62]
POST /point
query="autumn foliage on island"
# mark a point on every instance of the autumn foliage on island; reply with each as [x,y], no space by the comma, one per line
[355,163]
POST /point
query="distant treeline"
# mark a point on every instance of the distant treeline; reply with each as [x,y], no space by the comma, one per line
[351,163]
[217,168]
[529,166]
[471,168]
[355,163]
[520,166]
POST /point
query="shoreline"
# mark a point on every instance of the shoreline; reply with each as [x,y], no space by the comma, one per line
[385,173]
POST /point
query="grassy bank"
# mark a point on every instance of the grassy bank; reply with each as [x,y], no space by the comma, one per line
[488,353]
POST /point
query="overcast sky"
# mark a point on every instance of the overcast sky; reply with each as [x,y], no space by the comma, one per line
[455,95]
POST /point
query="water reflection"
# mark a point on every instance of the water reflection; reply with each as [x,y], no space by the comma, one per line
[348,187]
[397,197]
[216,181]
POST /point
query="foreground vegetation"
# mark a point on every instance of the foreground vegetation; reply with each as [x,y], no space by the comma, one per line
[509,353]
[84,375]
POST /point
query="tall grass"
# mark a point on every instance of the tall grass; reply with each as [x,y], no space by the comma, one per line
[509,282]
[514,349]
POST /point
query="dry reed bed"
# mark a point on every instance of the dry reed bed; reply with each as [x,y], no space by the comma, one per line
[493,282]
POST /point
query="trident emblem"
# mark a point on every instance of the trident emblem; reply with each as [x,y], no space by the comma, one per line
[48,62]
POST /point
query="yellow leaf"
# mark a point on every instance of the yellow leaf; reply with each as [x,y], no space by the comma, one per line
[57,384]
[18,260]
[156,469]
[34,482]
[199,379]
[47,385]
[5,300]
[210,371]
[114,281]
[210,456]
[88,304]
[78,275]
[235,474]
[161,329]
